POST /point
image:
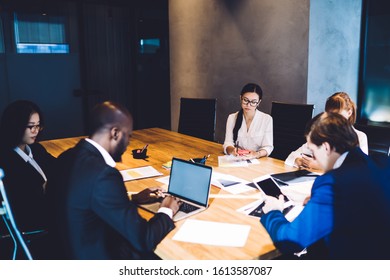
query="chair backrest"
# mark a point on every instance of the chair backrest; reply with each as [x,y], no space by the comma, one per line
[378,138]
[289,123]
[197,117]
[9,220]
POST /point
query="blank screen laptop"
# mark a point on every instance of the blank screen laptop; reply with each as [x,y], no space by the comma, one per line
[190,182]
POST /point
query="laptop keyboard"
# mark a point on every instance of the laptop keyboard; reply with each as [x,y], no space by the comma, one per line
[187,208]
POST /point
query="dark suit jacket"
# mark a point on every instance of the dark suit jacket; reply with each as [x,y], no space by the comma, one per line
[24,186]
[361,209]
[94,216]
[349,211]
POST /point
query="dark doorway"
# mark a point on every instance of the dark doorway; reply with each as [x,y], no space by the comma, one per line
[152,100]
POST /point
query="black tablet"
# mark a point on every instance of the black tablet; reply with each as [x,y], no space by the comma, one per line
[269,187]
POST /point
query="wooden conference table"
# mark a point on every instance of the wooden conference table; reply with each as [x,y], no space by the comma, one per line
[165,144]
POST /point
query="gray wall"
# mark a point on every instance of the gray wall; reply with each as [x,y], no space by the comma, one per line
[334,41]
[217,46]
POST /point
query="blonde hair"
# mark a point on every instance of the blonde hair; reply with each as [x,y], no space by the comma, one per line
[341,101]
[333,128]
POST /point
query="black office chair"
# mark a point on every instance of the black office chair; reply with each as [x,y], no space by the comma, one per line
[289,122]
[197,117]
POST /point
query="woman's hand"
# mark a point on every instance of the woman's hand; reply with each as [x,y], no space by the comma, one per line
[258,154]
[231,151]
[307,162]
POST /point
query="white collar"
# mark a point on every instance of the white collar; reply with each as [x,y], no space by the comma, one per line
[25,156]
[340,160]
[106,156]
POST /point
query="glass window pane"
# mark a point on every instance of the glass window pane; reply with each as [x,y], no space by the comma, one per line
[376,77]
[35,33]
[1,37]
[42,48]
[149,45]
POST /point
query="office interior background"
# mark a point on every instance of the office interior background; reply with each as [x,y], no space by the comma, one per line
[67,55]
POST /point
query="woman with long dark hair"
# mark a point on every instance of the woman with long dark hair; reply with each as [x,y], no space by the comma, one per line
[26,164]
[249,131]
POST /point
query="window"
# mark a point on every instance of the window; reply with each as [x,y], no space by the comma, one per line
[1,37]
[36,33]
[374,92]
[149,45]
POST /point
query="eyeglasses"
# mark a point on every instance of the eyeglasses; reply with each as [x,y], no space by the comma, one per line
[36,127]
[246,101]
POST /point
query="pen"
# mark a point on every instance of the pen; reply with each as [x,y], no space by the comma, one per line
[192,160]
[144,148]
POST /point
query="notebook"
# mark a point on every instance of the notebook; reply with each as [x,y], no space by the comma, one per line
[190,182]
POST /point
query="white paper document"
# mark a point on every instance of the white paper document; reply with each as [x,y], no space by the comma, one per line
[232,161]
[213,233]
[256,195]
[298,191]
[229,183]
[164,180]
[250,208]
[139,173]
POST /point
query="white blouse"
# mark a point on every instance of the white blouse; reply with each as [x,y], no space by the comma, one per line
[259,136]
[30,159]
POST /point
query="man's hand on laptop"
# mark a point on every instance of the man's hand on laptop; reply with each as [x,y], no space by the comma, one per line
[172,203]
[148,195]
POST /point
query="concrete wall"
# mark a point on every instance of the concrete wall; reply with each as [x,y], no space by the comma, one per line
[334,41]
[217,46]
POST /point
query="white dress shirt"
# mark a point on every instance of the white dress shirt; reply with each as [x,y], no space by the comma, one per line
[259,136]
[363,141]
[290,160]
[340,160]
[106,156]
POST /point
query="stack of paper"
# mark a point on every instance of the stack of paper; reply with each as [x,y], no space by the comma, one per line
[167,165]
[213,233]
[230,183]
[232,161]
[139,173]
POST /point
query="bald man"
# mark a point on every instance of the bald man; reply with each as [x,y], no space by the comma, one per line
[94,218]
